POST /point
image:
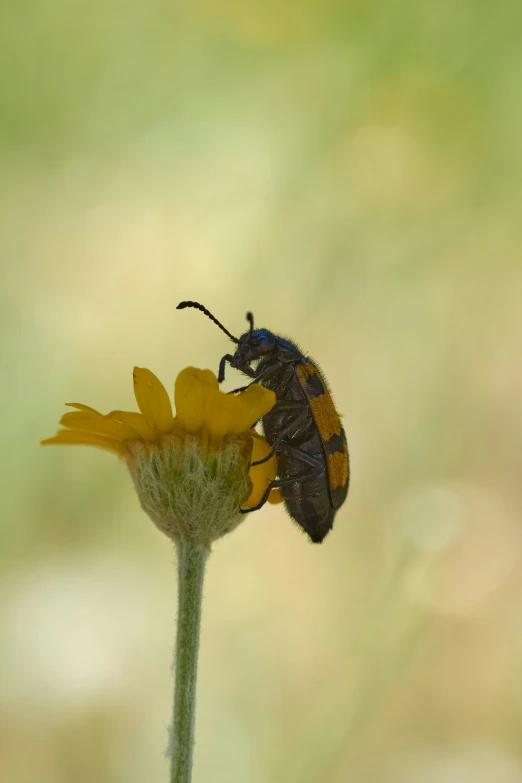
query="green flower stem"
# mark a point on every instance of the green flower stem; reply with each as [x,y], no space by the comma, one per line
[191,570]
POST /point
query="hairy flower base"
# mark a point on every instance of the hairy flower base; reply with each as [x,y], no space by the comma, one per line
[190,492]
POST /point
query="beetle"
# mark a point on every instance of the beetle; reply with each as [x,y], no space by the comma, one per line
[303,428]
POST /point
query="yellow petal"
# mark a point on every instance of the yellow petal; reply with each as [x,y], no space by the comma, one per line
[193,391]
[138,423]
[260,475]
[68,437]
[220,413]
[153,399]
[82,407]
[85,421]
[250,406]
[275,496]
[200,405]
[228,414]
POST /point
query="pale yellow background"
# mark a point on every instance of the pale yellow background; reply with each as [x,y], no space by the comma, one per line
[351,173]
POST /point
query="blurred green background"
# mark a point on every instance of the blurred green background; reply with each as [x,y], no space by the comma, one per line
[351,172]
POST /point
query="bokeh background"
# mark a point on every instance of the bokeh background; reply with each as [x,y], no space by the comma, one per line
[350,171]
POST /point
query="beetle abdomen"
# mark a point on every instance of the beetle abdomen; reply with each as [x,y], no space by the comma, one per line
[329,427]
[308,503]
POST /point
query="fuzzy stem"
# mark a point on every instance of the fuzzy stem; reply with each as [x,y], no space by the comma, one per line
[191,569]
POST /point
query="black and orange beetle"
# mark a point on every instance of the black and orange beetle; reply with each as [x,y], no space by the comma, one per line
[303,427]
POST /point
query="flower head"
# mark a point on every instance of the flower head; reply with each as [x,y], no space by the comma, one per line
[192,471]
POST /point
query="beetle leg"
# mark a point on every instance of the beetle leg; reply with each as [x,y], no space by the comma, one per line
[261,502]
[226,358]
[257,377]
[241,389]
[268,372]
[304,457]
[276,485]
[230,359]
[263,376]
[293,426]
[265,459]
[290,405]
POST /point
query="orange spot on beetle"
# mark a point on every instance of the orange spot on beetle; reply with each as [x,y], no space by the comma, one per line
[323,409]
[338,469]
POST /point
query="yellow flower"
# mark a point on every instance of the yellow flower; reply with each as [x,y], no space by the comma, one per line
[192,471]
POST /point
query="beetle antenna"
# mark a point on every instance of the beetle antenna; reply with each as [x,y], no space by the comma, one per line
[204,310]
[250,319]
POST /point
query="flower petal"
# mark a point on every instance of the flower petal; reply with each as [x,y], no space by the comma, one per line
[95,422]
[82,407]
[194,391]
[220,414]
[68,437]
[153,399]
[275,496]
[260,475]
[250,406]
[200,405]
[137,421]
